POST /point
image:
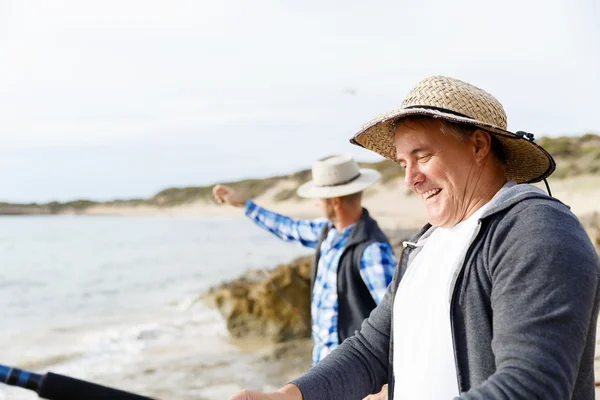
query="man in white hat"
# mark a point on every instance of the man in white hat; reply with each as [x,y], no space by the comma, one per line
[354,262]
[497,296]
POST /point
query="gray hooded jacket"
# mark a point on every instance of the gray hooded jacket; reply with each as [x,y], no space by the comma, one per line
[523,311]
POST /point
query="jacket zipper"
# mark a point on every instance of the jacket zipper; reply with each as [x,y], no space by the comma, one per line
[452,300]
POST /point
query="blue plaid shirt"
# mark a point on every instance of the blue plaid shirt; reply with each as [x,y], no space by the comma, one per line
[377,268]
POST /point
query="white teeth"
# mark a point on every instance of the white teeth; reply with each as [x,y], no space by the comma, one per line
[430,193]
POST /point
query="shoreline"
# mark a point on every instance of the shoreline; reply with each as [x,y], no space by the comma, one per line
[391,204]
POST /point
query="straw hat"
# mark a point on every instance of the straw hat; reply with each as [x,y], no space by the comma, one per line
[336,176]
[460,102]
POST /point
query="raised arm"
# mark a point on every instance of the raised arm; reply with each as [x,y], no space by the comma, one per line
[305,232]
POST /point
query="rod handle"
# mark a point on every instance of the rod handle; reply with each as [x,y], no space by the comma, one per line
[60,387]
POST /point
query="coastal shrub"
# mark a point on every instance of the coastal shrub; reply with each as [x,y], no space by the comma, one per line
[574,155]
[286,194]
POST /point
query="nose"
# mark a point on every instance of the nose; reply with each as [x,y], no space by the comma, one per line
[413,176]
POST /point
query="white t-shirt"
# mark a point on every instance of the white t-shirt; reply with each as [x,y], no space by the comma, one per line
[424,364]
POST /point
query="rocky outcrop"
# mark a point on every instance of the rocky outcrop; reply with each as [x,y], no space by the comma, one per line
[275,304]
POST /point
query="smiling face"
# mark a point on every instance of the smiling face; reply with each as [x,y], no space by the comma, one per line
[446,172]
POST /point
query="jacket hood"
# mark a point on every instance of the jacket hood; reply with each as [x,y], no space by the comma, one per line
[509,195]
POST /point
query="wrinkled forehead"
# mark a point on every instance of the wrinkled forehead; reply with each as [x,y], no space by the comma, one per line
[416,123]
[416,134]
[415,130]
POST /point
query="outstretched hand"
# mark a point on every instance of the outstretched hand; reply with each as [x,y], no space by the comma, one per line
[226,195]
[382,395]
[288,392]
[255,395]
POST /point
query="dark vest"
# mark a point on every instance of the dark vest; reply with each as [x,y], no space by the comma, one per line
[354,299]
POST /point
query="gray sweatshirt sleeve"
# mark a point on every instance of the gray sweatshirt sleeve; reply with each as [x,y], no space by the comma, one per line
[359,366]
[544,274]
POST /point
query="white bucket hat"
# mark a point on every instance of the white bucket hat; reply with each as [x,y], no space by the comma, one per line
[336,176]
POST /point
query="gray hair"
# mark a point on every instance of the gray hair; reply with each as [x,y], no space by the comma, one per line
[462,132]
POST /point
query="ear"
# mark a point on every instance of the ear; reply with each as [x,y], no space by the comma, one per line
[336,202]
[482,143]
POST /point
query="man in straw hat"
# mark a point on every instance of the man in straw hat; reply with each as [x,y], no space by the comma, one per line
[497,296]
[354,262]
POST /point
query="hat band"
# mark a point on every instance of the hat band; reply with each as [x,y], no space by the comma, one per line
[440,109]
[340,183]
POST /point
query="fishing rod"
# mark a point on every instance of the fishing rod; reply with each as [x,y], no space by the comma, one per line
[52,386]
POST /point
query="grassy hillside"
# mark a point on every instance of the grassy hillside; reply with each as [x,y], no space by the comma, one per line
[254,187]
[575,155]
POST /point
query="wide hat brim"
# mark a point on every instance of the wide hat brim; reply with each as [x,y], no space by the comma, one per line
[367,178]
[526,162]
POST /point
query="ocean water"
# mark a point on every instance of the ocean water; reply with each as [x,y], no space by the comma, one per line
[116,300]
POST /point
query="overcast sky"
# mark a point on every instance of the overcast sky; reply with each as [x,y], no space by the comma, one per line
[122,98]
